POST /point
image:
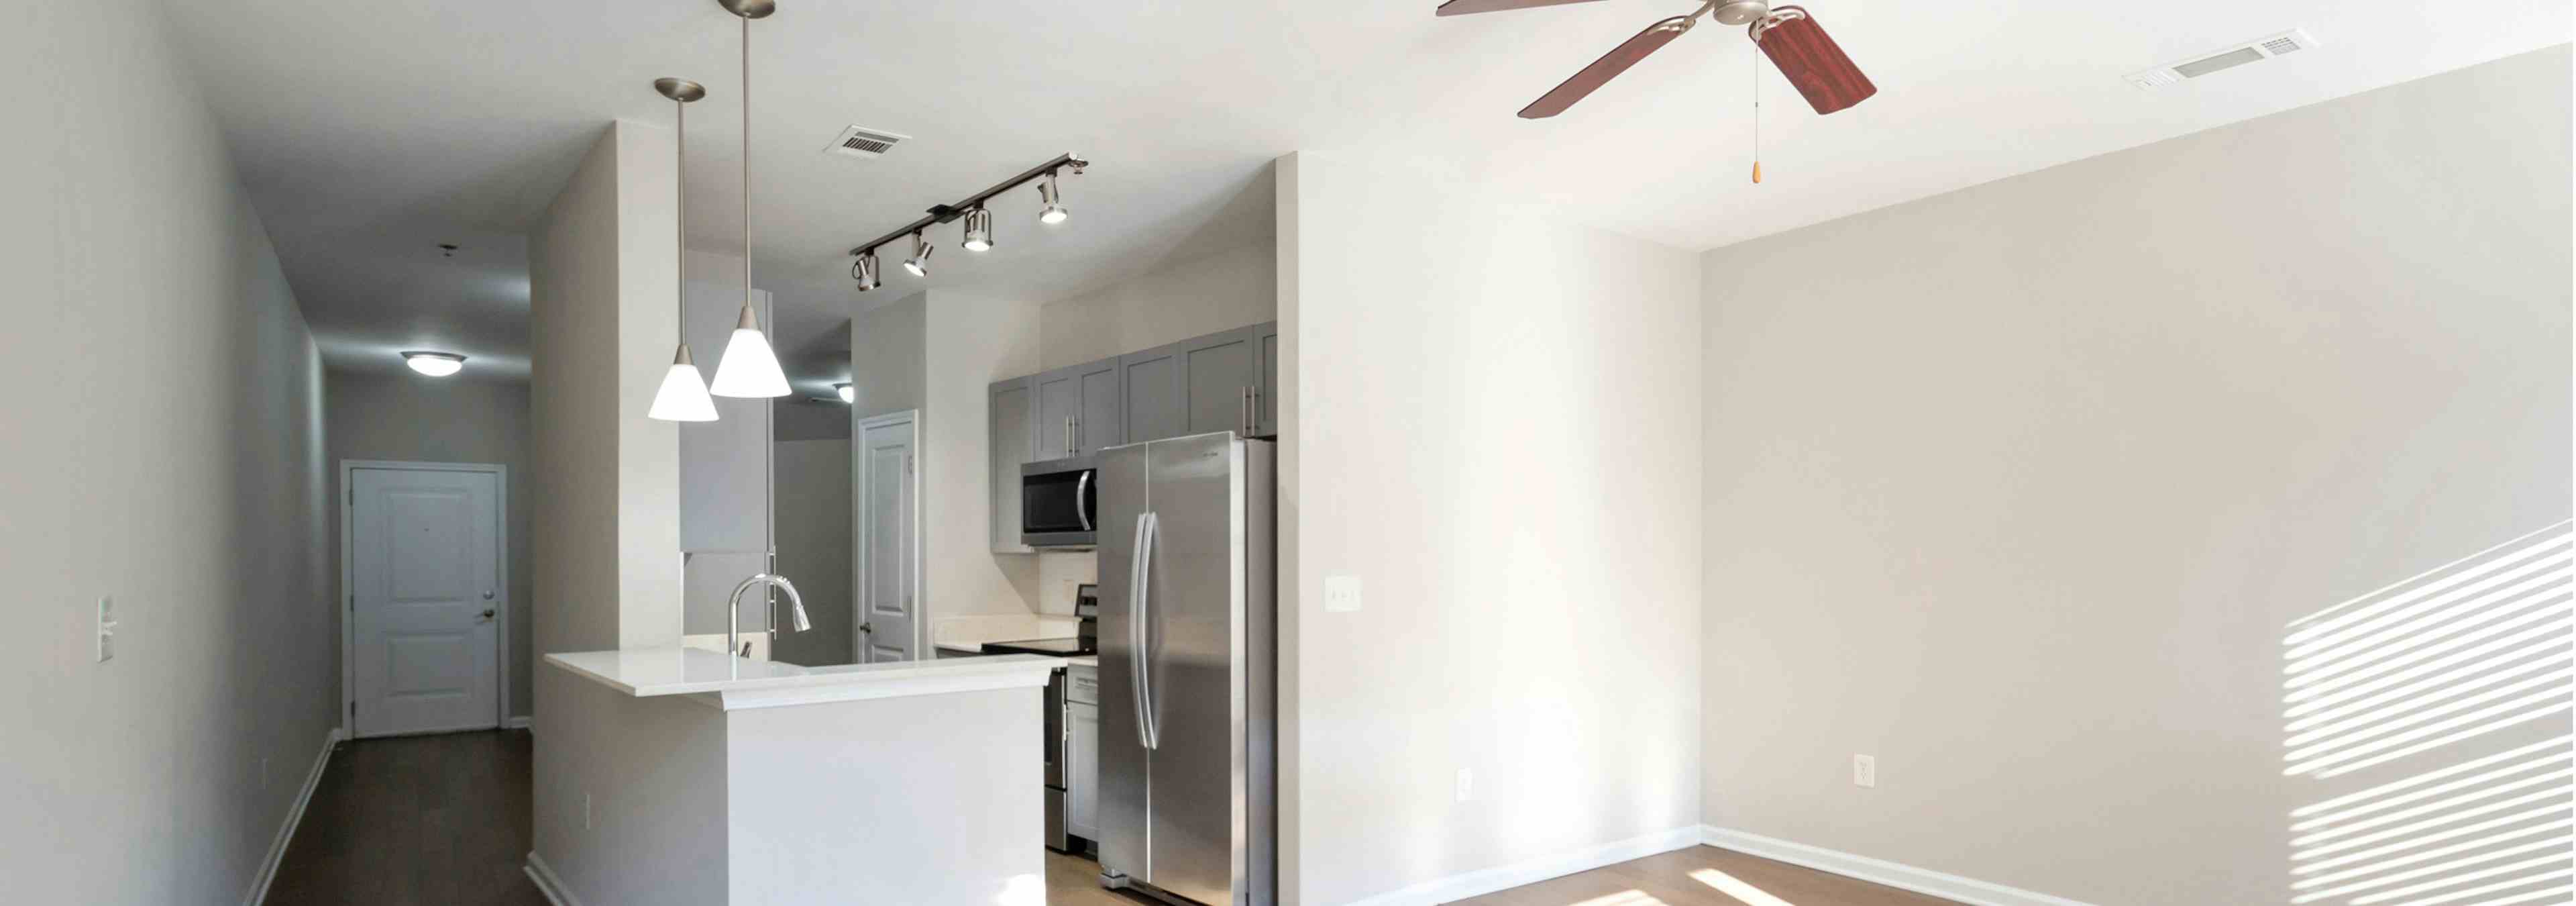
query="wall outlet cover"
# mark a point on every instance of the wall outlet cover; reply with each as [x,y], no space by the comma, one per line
[106,628]
[1341,594]
[1466,784]
[1865,771]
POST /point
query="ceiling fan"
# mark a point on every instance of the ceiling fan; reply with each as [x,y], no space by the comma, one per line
[1787,34]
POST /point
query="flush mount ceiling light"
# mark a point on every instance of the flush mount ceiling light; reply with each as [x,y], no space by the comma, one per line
[919,263]
[847,395]
[750,368]
[683,395]
[434,364]
[979,220]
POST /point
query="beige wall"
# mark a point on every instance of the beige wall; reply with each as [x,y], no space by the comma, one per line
[2017,488]
[164,447]
[412,418]
[1188,298]
[606,549]
[1493,423]
[969,342]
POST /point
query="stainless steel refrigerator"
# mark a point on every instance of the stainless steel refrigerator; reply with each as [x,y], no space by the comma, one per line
[1188,669]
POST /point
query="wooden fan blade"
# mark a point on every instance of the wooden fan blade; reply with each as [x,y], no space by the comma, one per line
[1608,67]
[1463,7]
[1814,64]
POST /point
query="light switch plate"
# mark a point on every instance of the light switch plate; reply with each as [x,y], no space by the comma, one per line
[1341,594]
[106,628]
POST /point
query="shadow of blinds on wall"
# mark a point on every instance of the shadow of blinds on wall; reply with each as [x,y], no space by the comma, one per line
[2431,719]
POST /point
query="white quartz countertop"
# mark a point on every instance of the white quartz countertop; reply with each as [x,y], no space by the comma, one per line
[743,682]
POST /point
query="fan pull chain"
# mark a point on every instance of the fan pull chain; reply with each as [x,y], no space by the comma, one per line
[1757,111]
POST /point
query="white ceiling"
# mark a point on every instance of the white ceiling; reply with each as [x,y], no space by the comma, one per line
[368,131]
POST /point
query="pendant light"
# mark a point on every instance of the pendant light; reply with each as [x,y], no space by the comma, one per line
[683,397]
[749,369]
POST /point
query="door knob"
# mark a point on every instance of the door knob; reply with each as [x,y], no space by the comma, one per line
[487,595]
[487,613]
[867,628]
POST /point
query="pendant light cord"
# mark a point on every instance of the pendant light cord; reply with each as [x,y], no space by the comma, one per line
[682,245]
[769,444]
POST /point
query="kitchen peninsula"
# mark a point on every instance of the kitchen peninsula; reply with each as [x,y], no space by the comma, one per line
[683,776]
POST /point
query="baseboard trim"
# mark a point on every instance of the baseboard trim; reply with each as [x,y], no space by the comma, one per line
[1920,880]
[294,818]
[553,887]
[1530,871]
[516,723]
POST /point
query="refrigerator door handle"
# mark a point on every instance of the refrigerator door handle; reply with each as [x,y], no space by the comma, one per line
[1140,597]
[1081,498]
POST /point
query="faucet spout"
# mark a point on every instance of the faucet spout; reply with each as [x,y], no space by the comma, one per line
[795,606]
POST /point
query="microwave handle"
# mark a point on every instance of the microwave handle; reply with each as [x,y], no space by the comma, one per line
[1081,498]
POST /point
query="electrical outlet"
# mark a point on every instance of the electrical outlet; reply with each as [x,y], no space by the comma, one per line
[1865,771]
[106,628]
[1466,784]
[1341,594]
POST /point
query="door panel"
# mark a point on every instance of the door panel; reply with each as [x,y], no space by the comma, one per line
[888,540]
[1150,382]
[1120,812]
[1217,375]
[1195,617]
[1013,411]
[1059,397]
[425,582]
[1097,424]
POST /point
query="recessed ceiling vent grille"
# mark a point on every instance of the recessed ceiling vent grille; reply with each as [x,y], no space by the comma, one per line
[2263,48]
[861,141]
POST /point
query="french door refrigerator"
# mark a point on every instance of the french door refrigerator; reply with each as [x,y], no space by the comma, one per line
[1188,669]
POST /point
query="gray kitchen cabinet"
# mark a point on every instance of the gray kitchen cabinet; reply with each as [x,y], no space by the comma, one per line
[1152,384]
[1079,410]
[1013,415]
[1218,372]
[1265,393]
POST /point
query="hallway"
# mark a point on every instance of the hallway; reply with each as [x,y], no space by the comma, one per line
[428,820]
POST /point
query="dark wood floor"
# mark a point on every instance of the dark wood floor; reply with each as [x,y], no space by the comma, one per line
[416,820]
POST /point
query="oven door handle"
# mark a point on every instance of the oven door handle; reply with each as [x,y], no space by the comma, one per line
[1081,499]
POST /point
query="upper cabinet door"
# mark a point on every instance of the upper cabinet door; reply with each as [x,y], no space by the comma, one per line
[1012,413]
[1150,383]
[1059,396]
[1265,393]
[1098,422]
[1217,375]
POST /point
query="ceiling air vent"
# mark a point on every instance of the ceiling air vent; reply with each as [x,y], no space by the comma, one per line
[2263,48]
[861,141]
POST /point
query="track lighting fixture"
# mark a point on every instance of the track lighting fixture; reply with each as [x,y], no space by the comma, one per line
[919,263]
[1054,212]
[434,364]
[866,271]
[750,368]
[978,228]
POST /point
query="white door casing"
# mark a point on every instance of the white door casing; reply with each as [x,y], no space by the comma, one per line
[426,597]
[886,533]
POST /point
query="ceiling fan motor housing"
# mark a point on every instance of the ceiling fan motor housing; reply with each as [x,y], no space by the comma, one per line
[1739,12]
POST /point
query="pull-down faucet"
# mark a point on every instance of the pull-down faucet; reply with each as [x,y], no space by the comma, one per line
[795,604]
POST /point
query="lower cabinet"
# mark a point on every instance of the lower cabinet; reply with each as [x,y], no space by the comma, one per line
[1082,772]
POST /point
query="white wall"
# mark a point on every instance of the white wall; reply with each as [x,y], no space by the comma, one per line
[2017,488]
[607,531]
[1493,423]
[164,447]
[969,342]
[1192,297]
[412,418]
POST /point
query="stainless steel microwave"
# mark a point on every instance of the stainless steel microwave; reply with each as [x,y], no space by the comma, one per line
[1058,500]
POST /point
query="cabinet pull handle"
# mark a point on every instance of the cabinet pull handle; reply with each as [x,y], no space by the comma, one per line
[1256,408]
[1243,410]
[1068,437]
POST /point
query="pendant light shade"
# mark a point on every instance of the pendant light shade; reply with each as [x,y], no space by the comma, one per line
[749,369]
[683,397]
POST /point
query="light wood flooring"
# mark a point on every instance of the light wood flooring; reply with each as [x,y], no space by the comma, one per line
[1704,876]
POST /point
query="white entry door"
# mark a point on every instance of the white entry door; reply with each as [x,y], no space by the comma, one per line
[888,540]
[424,600]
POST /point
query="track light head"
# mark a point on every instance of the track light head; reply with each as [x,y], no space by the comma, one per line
[866,271]
[1054,212]
[847,394]
[979,230]
[919,264]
